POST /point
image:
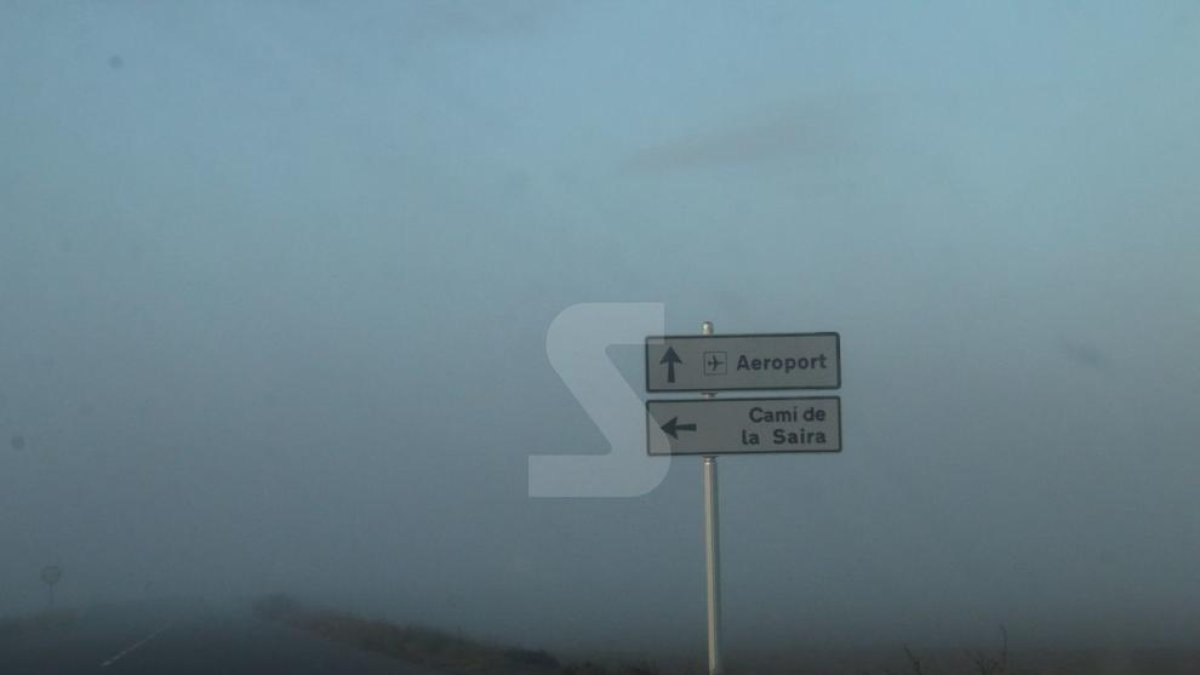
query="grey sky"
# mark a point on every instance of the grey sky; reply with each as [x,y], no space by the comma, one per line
[275,281]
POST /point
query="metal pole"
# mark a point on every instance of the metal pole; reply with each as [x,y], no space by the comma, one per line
[712,545]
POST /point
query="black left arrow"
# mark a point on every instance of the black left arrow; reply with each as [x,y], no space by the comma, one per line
[674,427]
[670,358]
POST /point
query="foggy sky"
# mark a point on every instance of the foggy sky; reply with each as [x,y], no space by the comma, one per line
[275,280]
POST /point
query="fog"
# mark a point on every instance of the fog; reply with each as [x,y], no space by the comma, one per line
[276,281]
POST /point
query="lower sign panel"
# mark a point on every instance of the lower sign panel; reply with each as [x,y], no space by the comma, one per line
[744,425]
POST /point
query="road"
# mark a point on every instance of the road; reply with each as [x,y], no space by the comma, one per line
[184,640]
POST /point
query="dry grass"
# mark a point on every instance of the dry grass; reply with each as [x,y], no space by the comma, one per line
[428,647]
[420,645]
[35,623]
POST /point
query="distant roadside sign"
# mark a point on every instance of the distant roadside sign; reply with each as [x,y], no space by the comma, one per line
[51,574]
[743,362]
[744,425]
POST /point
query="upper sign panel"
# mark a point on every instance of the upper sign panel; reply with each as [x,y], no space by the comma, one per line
[732,362]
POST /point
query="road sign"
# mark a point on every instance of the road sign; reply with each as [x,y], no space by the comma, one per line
[744,425]
[732,362]
[51,574]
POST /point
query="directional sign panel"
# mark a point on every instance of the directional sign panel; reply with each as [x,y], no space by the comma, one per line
[730,362]
[51,574]
[744,425]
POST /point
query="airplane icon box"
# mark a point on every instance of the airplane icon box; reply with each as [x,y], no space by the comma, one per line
[716,363]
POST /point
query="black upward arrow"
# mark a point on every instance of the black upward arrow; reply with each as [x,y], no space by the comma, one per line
[670,358]
[673,427]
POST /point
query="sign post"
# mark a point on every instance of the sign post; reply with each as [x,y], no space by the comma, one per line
[708,427]
[712,547]
[50,576]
